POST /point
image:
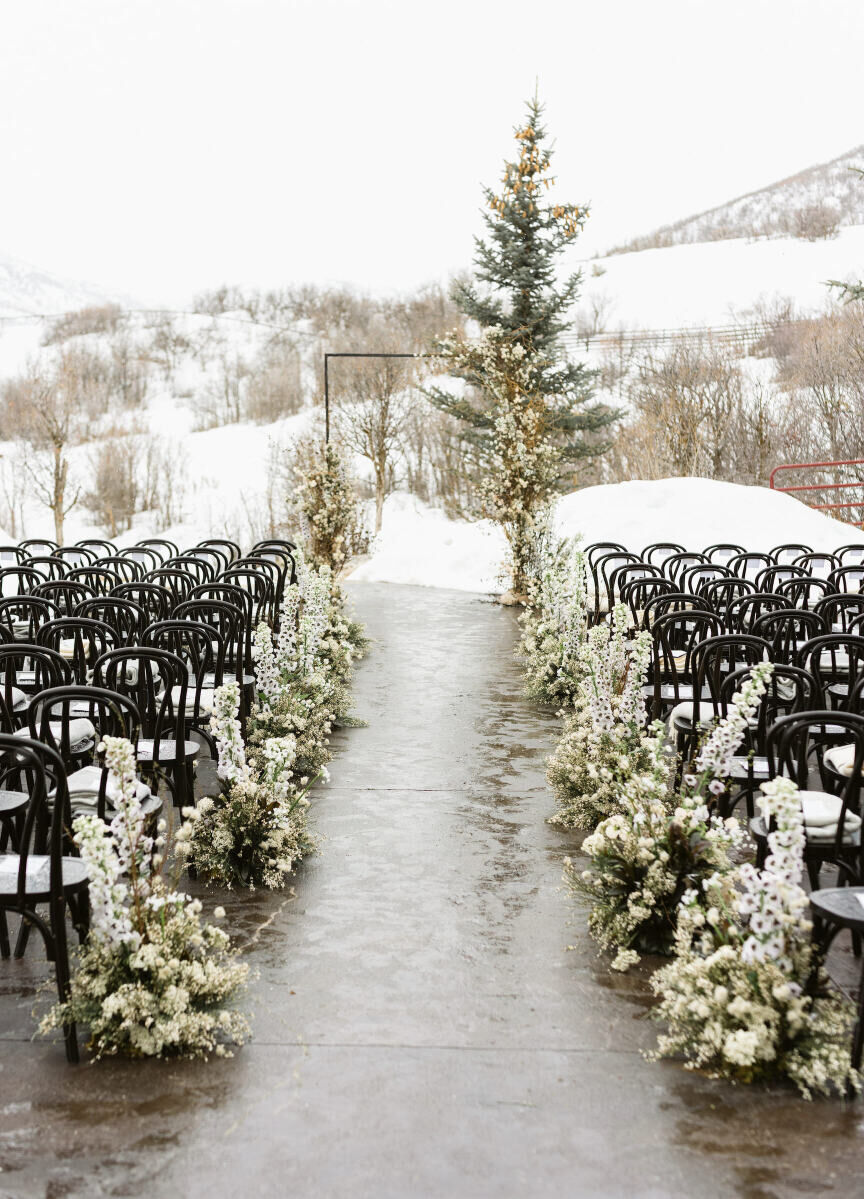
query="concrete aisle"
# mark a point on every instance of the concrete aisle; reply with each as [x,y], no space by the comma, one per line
[421,1028]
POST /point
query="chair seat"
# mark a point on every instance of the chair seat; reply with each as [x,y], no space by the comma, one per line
[12,802]
[821,820]
[743,767]
[84,790]
[205,704]
[841,758]
[682,714]
[167,750]
[38,876]
[81,732]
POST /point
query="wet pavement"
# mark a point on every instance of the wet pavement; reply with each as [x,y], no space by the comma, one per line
[421,1027]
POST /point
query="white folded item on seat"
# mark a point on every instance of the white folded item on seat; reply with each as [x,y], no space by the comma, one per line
[842,758]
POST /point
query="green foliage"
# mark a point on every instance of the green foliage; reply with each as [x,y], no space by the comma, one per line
[527,233]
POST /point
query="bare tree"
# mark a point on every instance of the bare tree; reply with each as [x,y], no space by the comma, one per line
[373,416]
[46,413]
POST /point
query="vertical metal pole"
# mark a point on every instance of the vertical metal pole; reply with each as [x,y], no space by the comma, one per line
[326,401]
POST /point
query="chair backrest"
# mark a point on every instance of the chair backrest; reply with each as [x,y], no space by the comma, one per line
[156,682]
[220,543]
[124,616]
[712,660]
[225,619]
[695,578]
[49,568]
[658,551]
[851,555]
[65,594]
[675,565]
[289,546]
[818,565]
[38,545]
[741,613]
[674,636]
[638,593]
[672,601]
[793,748]
[721,592]
[73,556]
[98,579]
[790,689]
[200,646]
[47,817]
[789,551]
[259,589]
[723,552]
[166,548]
[200,570]
[27,668]
[836,661]
[156,601]
[849,579]
[804,592]
[598,549]
[78,639]
[839,611]
[123,566]
[178,582]
[218,559]
[147,558]
[787,629]
[19,580]
[772,576]
[52,717]
[749,564]
[99,546]
[22,615]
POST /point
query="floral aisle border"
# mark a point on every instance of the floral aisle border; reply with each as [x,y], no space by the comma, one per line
[744,996]
[152,979]
[256,830]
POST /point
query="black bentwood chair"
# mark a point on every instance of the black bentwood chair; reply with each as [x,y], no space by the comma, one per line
[41,873]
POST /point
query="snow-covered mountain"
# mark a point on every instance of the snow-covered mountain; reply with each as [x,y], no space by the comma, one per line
[789,207]
[26,290]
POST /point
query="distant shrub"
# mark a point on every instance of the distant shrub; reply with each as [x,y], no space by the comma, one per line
[815,222]
[104,319]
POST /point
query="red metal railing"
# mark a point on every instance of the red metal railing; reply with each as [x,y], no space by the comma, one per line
[797,487]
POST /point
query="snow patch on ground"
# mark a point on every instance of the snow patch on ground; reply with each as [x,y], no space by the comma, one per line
[420,545]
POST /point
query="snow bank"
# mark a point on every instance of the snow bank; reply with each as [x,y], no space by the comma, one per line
[697,513]
[421,545]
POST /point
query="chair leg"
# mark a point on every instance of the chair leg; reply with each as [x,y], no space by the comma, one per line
[5,949]
[61,968]
[23,938]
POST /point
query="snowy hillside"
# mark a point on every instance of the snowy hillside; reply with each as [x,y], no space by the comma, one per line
[27,290]
[717,282]
[773,210]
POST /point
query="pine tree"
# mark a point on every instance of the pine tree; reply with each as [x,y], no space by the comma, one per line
[522,296]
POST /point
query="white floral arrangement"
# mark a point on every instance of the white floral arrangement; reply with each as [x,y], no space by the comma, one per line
[554,626]
[659,845]
[303,674]
[151,980]
[254,832]
[603,744]
[745,998]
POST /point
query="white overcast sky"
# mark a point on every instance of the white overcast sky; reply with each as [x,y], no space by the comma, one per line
[163,146]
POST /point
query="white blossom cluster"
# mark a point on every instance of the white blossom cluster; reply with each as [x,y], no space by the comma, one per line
[151,980]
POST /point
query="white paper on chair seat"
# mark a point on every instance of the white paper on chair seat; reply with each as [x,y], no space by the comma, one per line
[84,787]
[206,700]
[19,699]
[842,758]
[38,869]
[822,811]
